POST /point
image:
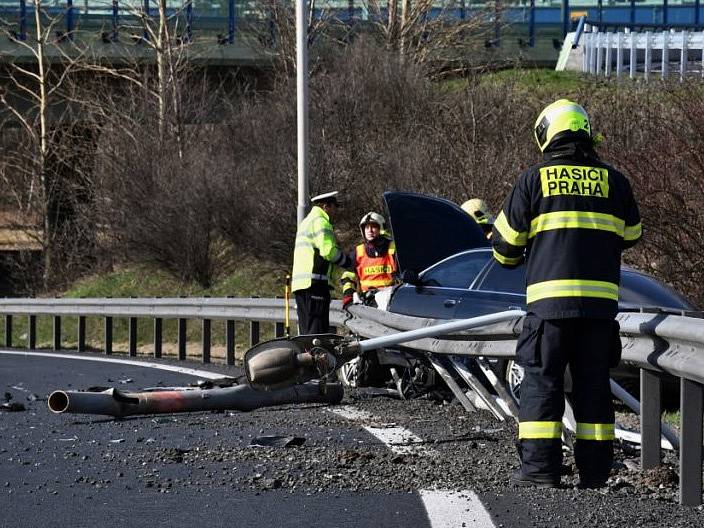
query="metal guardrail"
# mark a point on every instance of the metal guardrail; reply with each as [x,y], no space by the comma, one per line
[657,343]
[648,54]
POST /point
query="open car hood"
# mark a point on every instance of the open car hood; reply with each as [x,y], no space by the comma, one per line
[427,229]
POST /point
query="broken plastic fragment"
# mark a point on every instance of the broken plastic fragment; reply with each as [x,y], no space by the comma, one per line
[12,407]
[277,441]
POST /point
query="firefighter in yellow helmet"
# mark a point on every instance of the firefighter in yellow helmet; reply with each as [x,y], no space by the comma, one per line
[569,217]
[315,254]
[478,210]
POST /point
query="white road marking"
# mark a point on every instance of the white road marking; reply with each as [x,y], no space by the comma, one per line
[445,508]
[400,440]
[147,364]
[453,509]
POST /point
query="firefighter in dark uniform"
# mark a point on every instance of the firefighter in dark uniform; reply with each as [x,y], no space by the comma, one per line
[569,217]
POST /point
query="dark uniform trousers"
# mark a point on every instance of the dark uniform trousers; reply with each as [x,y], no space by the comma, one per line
[313,309]
[545,348]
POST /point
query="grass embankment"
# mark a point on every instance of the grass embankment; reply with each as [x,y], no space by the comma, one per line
[536,82]
[249,280]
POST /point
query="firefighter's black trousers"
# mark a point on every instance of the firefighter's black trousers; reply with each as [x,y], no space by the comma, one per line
[313,309]
[545,348]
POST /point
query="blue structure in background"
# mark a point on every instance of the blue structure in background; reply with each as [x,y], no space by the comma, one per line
[206,15]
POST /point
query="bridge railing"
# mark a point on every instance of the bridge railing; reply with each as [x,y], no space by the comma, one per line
[659,344]
[644,54]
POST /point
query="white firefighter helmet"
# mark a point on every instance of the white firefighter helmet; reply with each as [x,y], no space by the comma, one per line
[372,218]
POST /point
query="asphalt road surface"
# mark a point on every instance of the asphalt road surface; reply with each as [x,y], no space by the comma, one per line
[368,462]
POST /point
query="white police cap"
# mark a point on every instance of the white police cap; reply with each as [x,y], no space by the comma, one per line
[326,197]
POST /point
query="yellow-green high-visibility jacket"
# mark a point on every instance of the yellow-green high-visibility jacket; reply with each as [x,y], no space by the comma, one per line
[570,218]
[316,252]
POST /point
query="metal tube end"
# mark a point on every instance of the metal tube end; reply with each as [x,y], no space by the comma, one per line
[58,402]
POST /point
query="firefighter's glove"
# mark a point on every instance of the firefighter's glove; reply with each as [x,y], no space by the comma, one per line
[346,301]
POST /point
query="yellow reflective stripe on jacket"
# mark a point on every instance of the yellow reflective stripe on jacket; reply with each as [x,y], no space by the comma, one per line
[595,431]
[633,232]
[533,430]
[571,288]
[510,235]
[578,220]
[378,283]
[511,261]
[349,282]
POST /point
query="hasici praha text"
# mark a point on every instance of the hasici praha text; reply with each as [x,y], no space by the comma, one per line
[574,180]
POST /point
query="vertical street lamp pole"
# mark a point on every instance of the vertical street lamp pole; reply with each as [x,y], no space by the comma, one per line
[302,106]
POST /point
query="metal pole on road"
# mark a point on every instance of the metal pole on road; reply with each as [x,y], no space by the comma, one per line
[302,102]
[438,329]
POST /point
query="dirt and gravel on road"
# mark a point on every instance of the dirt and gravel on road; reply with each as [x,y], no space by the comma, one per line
[196,452]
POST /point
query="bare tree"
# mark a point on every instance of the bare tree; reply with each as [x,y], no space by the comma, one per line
[439,40]
[33,102]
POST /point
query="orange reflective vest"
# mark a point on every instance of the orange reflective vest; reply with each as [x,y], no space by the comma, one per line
[375,272]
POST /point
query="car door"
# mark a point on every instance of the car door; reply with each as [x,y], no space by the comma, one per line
[441,288]
[497,289]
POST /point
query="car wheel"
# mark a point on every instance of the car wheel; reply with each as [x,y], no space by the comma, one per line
[513,375]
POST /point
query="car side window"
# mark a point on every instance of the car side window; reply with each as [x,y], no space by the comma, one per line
[500,279]
[457,272]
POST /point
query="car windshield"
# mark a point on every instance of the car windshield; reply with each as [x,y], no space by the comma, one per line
[458,271]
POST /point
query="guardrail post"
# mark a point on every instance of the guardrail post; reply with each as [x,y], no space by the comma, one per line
[691,410]
[684,55]
[57,332]
[32,332]
[230,342]
[648,56]
[253,329]
[665,54]
[279,330]
[253,333]
[633,60]
[157,336]
[8,331]
[599,47]
[182,339]
[206,340]
[81,333]
[619,54]
[607,66]
[650,416]
[132,336]
[108,336]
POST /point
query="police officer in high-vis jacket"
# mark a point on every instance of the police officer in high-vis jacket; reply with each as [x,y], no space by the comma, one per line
[314,257]
[569,217]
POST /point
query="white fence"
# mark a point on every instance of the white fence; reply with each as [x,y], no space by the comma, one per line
[647,54]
